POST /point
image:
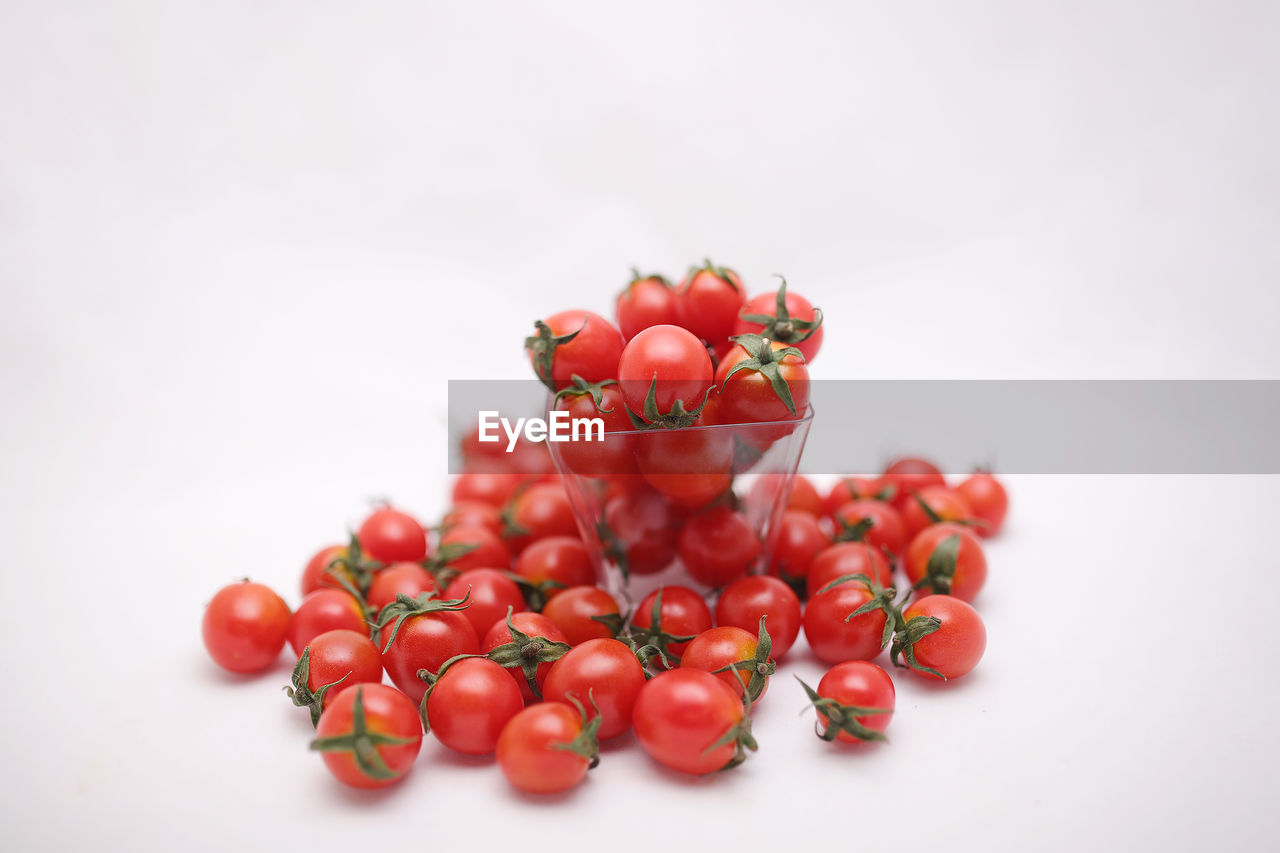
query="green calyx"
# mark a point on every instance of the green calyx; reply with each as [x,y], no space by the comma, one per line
[764,359]
[536,593]
[302,695]
[440,564]
[842,718]
[587,744]
[404,607]
[612,621]
[362,744]
[781,326]
[941,568]
[909,633]
[542,345]
[881,599]
[526,652]
[582,387]
[677,418]
[353,571]
[853,532]
[723,273]
[758,668]
[656,637]
[637,277]
[739,734]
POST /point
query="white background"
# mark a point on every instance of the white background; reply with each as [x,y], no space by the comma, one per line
[243,245]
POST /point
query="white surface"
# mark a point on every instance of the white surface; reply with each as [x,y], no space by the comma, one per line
[242,247]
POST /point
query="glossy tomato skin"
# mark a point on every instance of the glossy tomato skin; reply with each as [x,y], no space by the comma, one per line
[554,560]
[489,595]
[643,527]
[495,488]
[388,712]
[603,670]
[988,501]
[888,531]
[487,550]
[804,496]
[324,610]
[592,354]
[391,536]
[718,546]
[709,302]
[849,489]
[534,625]
[848,558]
[688,467]
[831,638]
[957,646]
[716,648]
[244,627]
[748,397]
[797,306]
[800,540]
[531,753]
[744,601]
[680,713]
[539,511]
[470,704]
[425,641]
[474,514]
[970,561]
[613,455]
[945,503]
[909,474]
[342,658]
[683,613]
[314,575]
[575,610]
[398,579]
[645,302]
[864,685]
[676,358]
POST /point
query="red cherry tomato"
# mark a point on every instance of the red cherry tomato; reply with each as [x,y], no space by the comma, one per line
[315,575]
[584,613]
[909,474]
[744,601]
[847,689]
[391,536]
[800,539]
[574,343]
[534,625]
[537,512]
[681,613]
[669,361]
[804,496]
[943,501]
[331,663]
[718,546]
[474,514]
[878,524]
[785,317]
[477,547]
[946,558]
[759,381]
[369,736]
[601,670]
[646,301]
[833,639]
[987,500]
[489,593]
[749,665]
[244,627]
[546,749]
[493,488]
[709,301]
[954,646]
[398,579]
[556,563]
[422,636]
[611,456]
[848,558]
[688,720]
[640,530]
[688,467]
[849,489]
[325,610]
[470,704]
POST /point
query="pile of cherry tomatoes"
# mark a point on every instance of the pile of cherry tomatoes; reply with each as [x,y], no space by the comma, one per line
[496,637]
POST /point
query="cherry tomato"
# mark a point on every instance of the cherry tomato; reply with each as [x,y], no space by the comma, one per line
[761,381]
[688,467]
[669,362]
[988,501]
[244,627]
[800,539]
[945,503]
[315,575]
[690,721]
[747,657]
[946,558]
[744,601]
[601,670]
[470,703]
[540,650]
[909,474]
[831,637]
[537,512]
[547,748]
[594,458]
[493,488]
[854,701]
[848,558]
[574,343]
[556,563]
[804,496]
[785,317]
[709,301]
[953,644]
[398,579]
[331,663]
[640,529]
[528,458]
[391,536]
[584,613]
[490,594]
[849,489]
[475,547]
[369,736]
[422,635]
[681,612]
[325,610]
[646,301]
[718,546]
[872,521]
[474,514]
